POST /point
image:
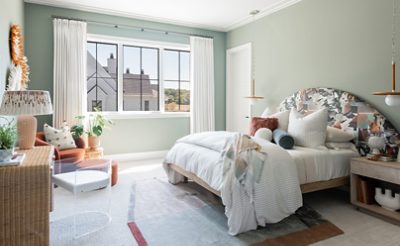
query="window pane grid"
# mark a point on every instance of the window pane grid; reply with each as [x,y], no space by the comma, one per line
[102,80]
[177,98]
[141,90]
[140,78]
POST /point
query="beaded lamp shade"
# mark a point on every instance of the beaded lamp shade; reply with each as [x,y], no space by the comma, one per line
[29,102]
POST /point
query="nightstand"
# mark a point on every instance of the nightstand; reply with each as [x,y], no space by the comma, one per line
[91,154]
[377,172]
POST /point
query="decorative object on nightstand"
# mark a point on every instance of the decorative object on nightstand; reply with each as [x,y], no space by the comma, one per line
[376,144]
[96,123]
[374,172]
[25,104]
[386,200]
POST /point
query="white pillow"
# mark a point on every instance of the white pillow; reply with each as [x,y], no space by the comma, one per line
[336,135]
[264,133]
[60,138]
[283,119]
[310,130]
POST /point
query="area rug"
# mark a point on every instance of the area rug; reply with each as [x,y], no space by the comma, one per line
[186,214]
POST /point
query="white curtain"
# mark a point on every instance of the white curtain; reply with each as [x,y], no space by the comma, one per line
[202,85]
[69,71]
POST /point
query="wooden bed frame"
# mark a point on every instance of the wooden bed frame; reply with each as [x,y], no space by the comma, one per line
[305,188]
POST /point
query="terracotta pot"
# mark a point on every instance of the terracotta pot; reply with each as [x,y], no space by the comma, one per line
[94,142]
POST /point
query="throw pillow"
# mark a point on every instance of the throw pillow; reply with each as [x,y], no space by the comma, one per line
[60,138]
[283,119]
[337,135]
[283,139]
[308,131]
[259,122]
[264,133]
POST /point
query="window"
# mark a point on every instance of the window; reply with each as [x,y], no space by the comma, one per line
[141,81]
[125,75]
[176,81]
[102,78]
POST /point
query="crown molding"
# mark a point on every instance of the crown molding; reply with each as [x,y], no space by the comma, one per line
[118,13]
[264,12]
[241,22]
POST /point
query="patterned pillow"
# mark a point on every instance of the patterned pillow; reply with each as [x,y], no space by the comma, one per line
[60,138]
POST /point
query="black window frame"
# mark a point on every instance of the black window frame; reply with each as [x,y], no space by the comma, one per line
[141,79]
[179,80]
[97,77]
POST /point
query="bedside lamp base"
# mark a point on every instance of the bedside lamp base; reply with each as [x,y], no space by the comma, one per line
[26,126]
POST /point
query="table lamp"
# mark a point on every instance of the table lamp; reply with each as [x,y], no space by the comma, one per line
[25,104]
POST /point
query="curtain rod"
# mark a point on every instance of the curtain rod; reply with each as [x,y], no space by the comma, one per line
[138,28]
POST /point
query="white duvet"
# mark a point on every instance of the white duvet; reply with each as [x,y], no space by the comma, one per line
[275,196]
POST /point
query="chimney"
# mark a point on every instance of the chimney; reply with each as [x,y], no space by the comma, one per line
[112,64]
[128,71]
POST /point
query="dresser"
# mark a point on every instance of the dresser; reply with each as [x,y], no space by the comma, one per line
[25,193]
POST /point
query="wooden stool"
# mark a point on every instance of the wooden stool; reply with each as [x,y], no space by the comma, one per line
[114,172]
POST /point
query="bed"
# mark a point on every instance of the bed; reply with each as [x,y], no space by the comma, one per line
[315,169]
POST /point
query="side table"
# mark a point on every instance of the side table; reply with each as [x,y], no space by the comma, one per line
[91,154]
[379,171]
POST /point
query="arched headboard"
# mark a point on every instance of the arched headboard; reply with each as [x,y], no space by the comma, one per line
[346,111]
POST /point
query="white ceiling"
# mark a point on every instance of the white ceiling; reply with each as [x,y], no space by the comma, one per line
[219,15]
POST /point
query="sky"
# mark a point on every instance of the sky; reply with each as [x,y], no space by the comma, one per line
[149,62]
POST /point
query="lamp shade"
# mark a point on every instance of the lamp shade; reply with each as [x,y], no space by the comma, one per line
[29,102]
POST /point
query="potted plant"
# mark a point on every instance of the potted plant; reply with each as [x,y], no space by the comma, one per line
[96,123]
[8,138]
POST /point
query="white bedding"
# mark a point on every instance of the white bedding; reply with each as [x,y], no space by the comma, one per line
[321,164]
[276,196]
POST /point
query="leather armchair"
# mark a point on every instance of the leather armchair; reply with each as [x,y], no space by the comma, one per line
[78,154]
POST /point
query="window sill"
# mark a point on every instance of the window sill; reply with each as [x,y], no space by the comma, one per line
[144,115]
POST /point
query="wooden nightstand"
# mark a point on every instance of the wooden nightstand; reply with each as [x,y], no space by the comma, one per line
[91,154]
[377,171]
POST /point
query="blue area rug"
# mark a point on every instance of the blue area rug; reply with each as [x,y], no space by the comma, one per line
[186,214]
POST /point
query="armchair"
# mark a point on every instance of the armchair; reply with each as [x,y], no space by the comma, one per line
[75,153]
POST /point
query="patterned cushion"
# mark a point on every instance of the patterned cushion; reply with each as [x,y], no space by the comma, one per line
[259,122]
[60,138]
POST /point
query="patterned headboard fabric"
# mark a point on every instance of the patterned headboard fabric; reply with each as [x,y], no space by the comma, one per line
[346,112]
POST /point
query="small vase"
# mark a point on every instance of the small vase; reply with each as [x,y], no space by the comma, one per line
[6,154]
[376,144]
[94,142]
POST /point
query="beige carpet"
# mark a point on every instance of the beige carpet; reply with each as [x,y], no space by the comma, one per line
[359,228]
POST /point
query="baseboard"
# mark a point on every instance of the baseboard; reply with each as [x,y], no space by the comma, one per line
[137,156]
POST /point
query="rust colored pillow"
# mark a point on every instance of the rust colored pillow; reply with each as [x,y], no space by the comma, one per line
[260,122]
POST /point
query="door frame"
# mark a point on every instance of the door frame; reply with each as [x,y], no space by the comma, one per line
[229,53]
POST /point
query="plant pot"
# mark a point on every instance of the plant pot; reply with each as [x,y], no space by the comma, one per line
[93,142]
[6,154]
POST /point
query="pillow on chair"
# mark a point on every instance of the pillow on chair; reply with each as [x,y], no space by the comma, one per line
[60,138]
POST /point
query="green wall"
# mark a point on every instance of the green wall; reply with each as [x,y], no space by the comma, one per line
[11,12]
[130,135]
[344,44]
